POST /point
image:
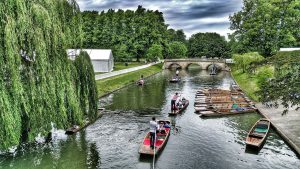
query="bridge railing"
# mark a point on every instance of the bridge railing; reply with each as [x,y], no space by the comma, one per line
[195,60]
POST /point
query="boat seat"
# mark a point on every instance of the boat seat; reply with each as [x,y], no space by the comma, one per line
[258,135]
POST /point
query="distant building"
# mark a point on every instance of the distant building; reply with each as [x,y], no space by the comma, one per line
[229,61]
[288,49]
[102,59]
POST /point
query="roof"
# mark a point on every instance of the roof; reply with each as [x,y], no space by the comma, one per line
[289,49]
[95,54]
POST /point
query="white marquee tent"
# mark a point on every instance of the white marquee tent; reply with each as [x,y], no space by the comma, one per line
[102,59]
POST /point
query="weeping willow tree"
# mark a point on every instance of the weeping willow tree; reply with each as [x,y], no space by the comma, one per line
[86,85]
[37,80]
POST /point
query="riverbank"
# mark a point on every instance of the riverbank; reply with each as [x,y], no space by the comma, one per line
[108,85]
[287,126]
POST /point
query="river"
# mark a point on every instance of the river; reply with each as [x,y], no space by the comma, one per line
[195,143]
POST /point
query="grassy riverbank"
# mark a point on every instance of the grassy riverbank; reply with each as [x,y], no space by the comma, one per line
[250,82]
[108,85]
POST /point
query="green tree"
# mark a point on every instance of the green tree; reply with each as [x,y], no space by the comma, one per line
[284,87]
[267,25]
[244,61]
[154,52]
[86,85]
[208,44]
[177,50]
[37,80]
[129,33]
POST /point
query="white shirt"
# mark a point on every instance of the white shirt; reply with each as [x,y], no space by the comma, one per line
[153,126]
[177,72]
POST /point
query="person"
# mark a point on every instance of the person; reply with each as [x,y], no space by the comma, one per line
[173,102]
[153,127]
[162,128]
[166,125]
[177,72]
[141,81]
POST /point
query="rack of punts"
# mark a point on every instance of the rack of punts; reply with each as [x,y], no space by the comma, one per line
[218,102]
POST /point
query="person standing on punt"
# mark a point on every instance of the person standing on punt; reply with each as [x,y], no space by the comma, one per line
[153,128]
[173,102]
[177,72]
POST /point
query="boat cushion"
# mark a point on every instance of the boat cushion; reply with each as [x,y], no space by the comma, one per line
[261,130]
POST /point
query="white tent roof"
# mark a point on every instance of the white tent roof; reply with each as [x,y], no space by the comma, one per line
[289,49]
[95,54]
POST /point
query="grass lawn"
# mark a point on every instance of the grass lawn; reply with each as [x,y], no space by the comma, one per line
[108,85]
[121,66]
[247,83]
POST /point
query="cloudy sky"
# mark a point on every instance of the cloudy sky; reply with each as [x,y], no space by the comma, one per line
[190,15]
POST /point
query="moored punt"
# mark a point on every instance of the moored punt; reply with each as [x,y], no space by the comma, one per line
[258,133]
[224,112]
[180,109]
[161,140]
[140,82]
[175,79]
[72,130]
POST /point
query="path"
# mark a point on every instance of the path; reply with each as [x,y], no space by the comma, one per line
[288,126]
[119,72]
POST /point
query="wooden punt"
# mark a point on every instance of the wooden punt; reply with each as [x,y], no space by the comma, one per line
[224,112]
[175,79]
[258,133]
[161,141]
[180,109]
[72,130]
[140,82]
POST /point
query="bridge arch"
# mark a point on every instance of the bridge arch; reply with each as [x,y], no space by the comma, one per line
[192,63]
[219,68]
[174,65]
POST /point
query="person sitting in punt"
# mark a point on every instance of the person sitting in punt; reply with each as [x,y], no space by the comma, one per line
[166,125]
[161,128]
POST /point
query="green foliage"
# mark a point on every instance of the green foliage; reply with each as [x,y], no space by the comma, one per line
[121,53]
[154,53]
[285,86]
[86,85]
[129,33]
[37,80]
[177,50]
[251,82]
[266,25]
[209,45]
[264,73]
[244,61]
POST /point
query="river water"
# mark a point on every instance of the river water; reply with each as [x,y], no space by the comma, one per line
[195,143]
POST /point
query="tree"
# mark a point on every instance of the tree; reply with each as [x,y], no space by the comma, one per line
[86,85]
[37,80]
[284,87]
[267,25]
[244,61]
[129,33]
[154,52]
[177,50]
[208,44]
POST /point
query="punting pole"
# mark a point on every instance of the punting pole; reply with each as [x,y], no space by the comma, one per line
[154,151]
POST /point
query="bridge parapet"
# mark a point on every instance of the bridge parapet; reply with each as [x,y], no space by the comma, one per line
[203,63]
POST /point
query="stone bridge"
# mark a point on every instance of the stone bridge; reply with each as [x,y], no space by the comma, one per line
[203,63]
